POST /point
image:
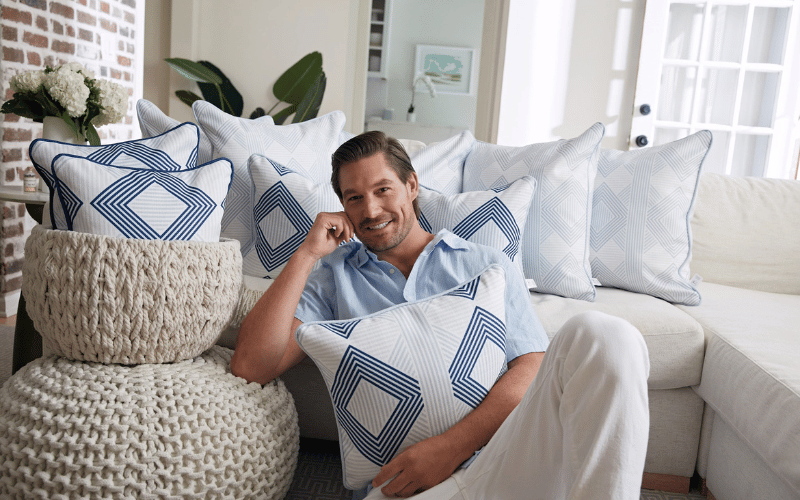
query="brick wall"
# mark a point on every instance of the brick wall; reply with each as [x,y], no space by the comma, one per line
[103,35]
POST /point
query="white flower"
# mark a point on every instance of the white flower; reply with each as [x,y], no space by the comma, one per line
[68,89]
[114,100]
[27,82]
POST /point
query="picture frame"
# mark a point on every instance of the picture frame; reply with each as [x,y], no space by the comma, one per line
[453,70]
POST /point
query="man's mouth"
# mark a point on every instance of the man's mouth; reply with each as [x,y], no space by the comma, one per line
[376,227]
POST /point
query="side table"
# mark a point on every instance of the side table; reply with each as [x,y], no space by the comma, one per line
[27,341]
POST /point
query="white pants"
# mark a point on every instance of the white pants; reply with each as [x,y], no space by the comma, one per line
[580,431]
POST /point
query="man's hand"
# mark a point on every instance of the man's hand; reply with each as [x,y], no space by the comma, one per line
[327,233]
[418,468]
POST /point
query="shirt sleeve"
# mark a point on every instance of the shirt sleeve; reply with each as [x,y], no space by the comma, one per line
[319,296]
[524,330]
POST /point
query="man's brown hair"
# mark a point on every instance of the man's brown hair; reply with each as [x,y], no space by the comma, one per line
[368,144]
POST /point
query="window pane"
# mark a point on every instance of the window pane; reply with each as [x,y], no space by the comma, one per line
[683,31]
[769,34]
[715,97]
[725,37]
[677,88]
[717,156]
[665,135]
[758,99]
[750,155]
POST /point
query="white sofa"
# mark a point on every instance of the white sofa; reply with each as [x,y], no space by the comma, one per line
[725,375]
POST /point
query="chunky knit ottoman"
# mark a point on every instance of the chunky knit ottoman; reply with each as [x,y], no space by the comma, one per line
[71,429]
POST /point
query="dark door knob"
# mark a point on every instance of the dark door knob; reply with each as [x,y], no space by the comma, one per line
[644,109]
[641,141]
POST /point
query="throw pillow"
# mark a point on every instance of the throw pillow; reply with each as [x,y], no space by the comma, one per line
[304,147]
[643,201]
[172,151]
[137,202]
[555,242]
[284,206]
[494,218]
[440,166]
[153,122]
[409,372]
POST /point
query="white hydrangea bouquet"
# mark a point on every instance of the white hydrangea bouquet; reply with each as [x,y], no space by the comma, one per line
[69,92]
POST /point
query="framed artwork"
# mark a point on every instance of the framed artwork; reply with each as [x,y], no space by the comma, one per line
[451,69]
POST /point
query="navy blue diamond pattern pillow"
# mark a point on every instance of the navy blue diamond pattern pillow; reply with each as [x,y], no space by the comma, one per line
[142,203]
[409,372]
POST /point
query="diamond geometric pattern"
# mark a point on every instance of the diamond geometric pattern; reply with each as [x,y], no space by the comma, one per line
[440,167]
[643,202]
[558,220]
[278,197]
[153,122]
[411,371]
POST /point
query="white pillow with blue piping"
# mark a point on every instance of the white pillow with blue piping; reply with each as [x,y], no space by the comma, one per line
[409,372]
[153,122]
[304,147]
[141,203]
[440,166]
[494,218]
[641,236]
[171,151]
[284,205]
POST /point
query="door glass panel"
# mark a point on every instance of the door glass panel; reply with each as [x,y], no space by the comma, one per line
[683,31]
[717,156]
[677,89]
[665,135]
[750,154]
[758,99]
[715,96]
[725,38]
[767,40]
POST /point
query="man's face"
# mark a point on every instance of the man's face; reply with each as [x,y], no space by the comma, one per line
[378,203]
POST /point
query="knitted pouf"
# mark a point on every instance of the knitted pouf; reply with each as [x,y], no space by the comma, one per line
[191,429]
[118,300]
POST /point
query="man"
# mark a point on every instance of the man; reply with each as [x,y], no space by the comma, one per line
[577,430]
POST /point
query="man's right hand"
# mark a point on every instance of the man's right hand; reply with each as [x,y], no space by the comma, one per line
[327,233]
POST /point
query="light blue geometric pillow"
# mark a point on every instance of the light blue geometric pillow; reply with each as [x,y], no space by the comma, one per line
[304,147]
[141,203]
[440,166]
[172,151]
[494,218]
[641,237]
[153,122]
[284,205]
[409,372]
[555,242]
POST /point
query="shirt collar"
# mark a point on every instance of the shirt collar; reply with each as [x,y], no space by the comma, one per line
[361,255]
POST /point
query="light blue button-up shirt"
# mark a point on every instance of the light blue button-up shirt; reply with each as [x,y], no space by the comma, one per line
[351,282]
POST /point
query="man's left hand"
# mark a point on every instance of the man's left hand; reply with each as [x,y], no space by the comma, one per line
[418,468]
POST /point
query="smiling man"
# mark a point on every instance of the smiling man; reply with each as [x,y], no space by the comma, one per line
[577,430]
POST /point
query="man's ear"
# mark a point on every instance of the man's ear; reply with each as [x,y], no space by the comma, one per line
[413,184]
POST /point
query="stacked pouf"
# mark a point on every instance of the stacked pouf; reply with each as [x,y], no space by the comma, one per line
[136,401]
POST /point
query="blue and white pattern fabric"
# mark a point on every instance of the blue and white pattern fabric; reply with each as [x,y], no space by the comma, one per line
[153,122]
[142,203]
[171,151]
[440,166]
[409,372]
[285,204]
[555,242]
[495,218]
[643,202]
[304,147]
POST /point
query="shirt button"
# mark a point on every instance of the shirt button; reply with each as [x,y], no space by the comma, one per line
[391,271]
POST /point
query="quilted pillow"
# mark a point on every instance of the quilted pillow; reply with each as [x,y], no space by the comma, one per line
[137,202]
[304,147]
[555,242]
[440,166]
[284,206]
[494,218]
[153,122]
[409,372]
[173,150]
[643,201]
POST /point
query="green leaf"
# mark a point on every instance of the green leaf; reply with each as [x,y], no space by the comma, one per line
[258,113]
[193,70]
[309,106]
[292,86]
[231,101]
[283,114]
[92,136]
[187,97]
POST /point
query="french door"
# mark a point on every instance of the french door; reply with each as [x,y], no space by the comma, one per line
[729,66]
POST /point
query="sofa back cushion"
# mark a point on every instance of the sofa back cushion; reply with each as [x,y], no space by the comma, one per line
[745,233]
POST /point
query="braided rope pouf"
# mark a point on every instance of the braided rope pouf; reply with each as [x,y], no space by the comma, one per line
[186,430]
[118,300]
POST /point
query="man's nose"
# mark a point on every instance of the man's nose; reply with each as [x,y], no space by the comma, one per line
[371,207]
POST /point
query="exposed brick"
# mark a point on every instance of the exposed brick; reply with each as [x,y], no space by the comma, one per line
[21,210]
[127,76]
[124,31]
[34,59]
[52,61]
[12,155]
[16,134]
[13,230]
[64,47]
[104,71]
[85,35]
[58,28]
[11,285]
[14,266]
[36,4]
[130,17]
[41,23]
[9,95]
[62,10]
[105,7]
[13,55]
[70,31]
[17,16]
[129,3]
[130,48]
[87,18]
[10,175]
[10,33]
[11,117]
[116,74]
[108,25]
[82,2]
[124,61]
[9,250]
[35,40]
[8,211]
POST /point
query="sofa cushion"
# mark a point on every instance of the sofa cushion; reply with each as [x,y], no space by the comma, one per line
[440,166]
[751,373]
[153,122]
[674,340]
[745,233]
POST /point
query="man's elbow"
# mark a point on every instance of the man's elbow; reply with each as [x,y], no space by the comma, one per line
[246,368]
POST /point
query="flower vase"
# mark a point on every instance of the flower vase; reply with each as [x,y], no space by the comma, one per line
[54,129]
